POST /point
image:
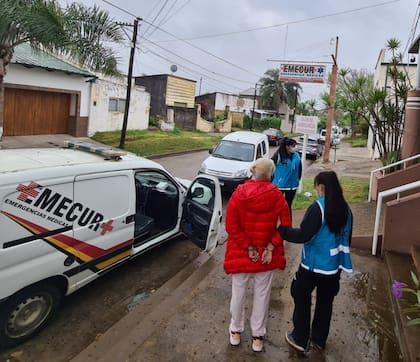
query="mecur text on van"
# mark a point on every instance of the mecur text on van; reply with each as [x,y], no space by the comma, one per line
[68,215]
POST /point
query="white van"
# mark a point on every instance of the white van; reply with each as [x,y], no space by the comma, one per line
[232,158]
[67,216]
[335,136]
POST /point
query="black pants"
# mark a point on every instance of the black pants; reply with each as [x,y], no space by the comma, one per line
[327,287]
[289,195]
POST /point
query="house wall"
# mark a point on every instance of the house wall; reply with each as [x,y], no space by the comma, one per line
[235,103]
[20,75]
[180,91]
[208,101]
[101,119]
[156,86]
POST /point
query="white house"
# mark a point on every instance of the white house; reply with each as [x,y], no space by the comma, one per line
[381,80]
[108,103]
[47,95]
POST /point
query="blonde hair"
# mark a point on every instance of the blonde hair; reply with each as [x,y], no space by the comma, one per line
[263,169]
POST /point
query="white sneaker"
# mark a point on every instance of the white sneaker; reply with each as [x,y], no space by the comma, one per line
[234,338]
[257,344]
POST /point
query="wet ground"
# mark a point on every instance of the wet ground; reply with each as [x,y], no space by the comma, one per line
[192,323]
[91,311]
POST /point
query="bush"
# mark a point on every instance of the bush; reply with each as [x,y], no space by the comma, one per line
[153,122]
[262,123]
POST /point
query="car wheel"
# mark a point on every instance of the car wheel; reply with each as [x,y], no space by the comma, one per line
[26,313]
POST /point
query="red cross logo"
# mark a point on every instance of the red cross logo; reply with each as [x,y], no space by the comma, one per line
[107,227]
[27,191]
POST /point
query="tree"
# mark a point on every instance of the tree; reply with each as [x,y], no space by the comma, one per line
[274,92]
[352,85]
[307,108]
[383,109]
[77,32]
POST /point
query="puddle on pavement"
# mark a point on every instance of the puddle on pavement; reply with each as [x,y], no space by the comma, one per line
[379,334]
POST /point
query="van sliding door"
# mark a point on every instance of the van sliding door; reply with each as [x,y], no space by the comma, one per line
[104,207]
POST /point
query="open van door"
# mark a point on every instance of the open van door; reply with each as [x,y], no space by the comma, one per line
[202,212]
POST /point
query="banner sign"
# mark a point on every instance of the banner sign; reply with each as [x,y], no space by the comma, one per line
[307,124]
[304,73]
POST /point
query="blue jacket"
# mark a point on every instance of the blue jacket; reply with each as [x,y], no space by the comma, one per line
[326,252]
[288,172]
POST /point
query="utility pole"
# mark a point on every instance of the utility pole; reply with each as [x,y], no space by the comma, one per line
[326,157]
[129,81]
[199,89]
[253,107]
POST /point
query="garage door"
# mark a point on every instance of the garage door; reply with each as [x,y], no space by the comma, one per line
[30,112]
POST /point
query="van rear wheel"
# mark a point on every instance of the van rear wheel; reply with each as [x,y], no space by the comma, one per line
[26,313]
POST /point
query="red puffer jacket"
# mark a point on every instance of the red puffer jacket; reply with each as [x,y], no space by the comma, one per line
[251,219]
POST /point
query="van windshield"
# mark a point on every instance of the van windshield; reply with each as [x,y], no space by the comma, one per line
[238,151]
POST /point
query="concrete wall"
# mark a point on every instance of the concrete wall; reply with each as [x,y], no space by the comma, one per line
[101,119]
[210,126]
[394,179]
[156,87]
[401,227]
[234,102]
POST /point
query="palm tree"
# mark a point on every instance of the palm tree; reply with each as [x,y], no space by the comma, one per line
[77,32]
[274,92]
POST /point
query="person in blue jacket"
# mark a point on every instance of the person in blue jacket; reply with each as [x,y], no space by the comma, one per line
[288,169]
[325,233]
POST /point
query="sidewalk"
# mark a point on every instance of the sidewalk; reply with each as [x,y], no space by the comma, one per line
[187,319]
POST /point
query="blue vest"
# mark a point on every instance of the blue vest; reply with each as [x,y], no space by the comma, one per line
[327,253]
[286,175]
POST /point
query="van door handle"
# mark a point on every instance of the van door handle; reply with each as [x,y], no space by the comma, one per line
[129,219]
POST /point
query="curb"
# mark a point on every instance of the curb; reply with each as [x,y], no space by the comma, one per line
[130,332]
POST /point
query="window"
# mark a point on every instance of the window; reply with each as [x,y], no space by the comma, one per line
[116,105]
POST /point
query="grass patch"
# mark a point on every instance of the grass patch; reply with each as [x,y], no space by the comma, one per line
[155,142]
[354,189]
[356,141]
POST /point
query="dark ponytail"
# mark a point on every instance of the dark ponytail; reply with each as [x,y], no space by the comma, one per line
[336,209]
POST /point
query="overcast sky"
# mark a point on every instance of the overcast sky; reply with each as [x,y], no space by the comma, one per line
[229,44]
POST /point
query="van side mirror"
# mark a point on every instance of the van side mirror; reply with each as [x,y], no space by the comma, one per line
[211,150]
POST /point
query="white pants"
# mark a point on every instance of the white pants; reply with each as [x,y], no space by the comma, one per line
[261,300]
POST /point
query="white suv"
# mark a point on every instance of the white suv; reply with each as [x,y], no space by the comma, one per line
[232,158]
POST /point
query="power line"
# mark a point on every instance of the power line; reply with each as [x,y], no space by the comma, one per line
[191,70]
[156,16]
[186,42]
[197,65]
[176,11]
[283,24]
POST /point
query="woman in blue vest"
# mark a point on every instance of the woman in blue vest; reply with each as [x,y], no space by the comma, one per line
[325,233]
[288,169]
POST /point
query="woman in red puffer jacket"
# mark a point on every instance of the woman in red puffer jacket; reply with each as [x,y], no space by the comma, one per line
[254,248]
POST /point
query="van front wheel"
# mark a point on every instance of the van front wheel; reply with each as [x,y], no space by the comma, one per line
[27,313]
